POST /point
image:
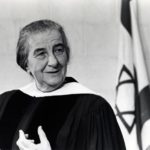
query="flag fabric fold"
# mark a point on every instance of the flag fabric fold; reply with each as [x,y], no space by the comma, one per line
[132,91]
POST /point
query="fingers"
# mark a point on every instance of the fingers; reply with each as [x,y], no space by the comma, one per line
[28,144]
[42,135]
[44,143]
[21,146]
[21,135]
[20,141]
[23,143]
[26,135]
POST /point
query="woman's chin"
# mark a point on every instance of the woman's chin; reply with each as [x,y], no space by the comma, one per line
[51,85]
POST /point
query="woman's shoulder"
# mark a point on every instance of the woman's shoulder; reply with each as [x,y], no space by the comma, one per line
[90,103]
[5,98]
[8,94]
[95,100]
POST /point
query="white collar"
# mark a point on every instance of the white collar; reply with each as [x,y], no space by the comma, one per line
[66,89]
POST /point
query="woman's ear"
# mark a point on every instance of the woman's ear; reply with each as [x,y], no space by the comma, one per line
[28,70]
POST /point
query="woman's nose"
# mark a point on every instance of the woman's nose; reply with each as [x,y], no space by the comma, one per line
[52,60]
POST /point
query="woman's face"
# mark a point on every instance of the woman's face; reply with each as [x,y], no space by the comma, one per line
[47,59]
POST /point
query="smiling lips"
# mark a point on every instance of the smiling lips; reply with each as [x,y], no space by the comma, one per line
[53,71]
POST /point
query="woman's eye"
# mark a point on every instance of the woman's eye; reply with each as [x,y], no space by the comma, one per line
[41,55]
[59,51]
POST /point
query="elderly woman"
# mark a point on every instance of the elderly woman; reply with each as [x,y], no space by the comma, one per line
[54,112]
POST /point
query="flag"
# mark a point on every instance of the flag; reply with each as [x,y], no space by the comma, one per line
[132,90]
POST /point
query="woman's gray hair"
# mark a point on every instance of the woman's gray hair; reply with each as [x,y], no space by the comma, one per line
[36,27]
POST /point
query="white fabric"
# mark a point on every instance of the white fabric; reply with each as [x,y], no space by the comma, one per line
[131,54]
[130,138]
[66,89]
[126,93]
[141,72]
[137,48]
[146,135]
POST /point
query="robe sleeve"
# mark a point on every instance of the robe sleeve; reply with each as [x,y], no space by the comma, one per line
[4,99]
[101,130]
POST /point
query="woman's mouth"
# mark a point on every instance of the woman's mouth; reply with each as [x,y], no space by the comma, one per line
[52,71]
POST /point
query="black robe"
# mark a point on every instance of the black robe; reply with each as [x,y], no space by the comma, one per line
[71,122]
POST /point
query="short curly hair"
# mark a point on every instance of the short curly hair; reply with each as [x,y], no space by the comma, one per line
[36,27]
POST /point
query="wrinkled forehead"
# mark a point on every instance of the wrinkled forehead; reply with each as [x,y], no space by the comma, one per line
[44,37]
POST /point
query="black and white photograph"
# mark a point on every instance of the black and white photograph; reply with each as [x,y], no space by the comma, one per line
[74,75]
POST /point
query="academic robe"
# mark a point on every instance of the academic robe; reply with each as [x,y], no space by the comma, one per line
[73,118]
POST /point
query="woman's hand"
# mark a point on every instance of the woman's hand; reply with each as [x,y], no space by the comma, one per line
[27,144]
